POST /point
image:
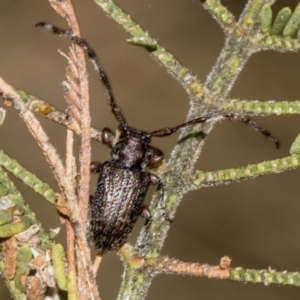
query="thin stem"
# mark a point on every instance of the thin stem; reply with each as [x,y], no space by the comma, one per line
[261,108]
[50,112]
[27,177]
[248,172]
[86,285]
[72,274]
[265,277]
[166,265]
[85,149]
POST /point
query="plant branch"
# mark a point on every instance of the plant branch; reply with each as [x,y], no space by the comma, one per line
[261,108]
[77,77]
[50,112]
[72,274]
[71,174]
[27,177]
[266,277]
[166,265]
[248,172]
[276,43]
[223,16]
[77,74]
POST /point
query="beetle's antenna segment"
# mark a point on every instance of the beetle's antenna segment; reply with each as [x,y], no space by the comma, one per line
[170,130]
[92,56]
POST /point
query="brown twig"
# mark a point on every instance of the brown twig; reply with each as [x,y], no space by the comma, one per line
[174,266]
[77,76]
[69,229]
[78,59]
[50,112]
[72,276]
[160,265]
[70,157]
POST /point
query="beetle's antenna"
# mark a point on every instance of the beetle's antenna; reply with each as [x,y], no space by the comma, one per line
[92,56]
[170,130]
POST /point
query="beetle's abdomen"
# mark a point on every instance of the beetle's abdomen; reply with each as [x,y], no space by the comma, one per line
[116,205]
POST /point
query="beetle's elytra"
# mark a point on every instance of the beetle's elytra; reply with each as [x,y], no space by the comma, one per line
[116,205]
[123,183]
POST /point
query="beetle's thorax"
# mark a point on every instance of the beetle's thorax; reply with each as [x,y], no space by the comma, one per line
[131,148]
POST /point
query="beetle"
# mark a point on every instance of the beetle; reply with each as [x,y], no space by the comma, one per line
[123,181]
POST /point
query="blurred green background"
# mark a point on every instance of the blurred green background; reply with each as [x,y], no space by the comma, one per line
[255,222]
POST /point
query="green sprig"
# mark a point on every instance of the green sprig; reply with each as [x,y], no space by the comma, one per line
[280,21]
[262,108]
[59,265]
[266,277]
[266,18]
[247,172]
[293,23]
[27,177]
[220,13]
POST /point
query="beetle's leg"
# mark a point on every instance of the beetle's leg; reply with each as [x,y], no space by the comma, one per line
[107,137]
[160,187]
[146,214]
[97,263]
[95,167]
[155,157]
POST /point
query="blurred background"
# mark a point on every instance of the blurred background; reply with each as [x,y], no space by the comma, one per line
[255,222]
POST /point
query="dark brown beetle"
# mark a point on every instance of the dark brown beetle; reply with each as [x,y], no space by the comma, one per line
[123,183]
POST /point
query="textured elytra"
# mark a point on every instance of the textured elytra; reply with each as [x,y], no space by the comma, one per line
[116,205]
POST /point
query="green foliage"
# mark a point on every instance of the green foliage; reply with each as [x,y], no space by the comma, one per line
[59,265]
